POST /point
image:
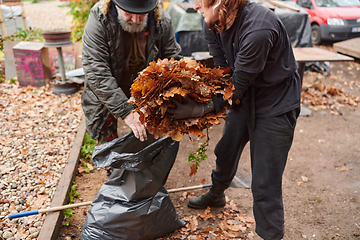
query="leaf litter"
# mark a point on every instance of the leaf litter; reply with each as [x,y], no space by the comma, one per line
[230,223]
[319,96]
[37,130]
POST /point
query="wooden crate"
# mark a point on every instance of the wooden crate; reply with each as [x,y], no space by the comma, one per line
[32,63]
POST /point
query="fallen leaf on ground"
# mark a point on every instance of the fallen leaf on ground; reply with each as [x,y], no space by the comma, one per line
[193,169]
[344,169]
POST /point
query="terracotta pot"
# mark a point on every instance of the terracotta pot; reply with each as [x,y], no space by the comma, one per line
[57,36]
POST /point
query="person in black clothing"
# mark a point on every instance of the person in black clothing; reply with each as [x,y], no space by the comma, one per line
[252,41]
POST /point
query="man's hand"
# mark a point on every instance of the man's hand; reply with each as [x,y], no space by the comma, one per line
[188,109]
[132,120]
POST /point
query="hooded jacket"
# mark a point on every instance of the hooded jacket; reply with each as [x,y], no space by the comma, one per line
[103,61]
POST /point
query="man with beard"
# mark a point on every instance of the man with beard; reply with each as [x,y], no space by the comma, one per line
[120,39]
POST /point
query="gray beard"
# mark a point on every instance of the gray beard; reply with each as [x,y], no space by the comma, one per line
[132,27]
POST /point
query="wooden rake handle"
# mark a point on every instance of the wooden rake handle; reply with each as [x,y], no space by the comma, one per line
[54,209]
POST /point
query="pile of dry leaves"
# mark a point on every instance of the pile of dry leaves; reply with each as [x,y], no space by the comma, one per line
[230,223]
[167,79]
[319,97]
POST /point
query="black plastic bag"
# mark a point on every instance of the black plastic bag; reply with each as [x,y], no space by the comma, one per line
[133,203]
[319,67]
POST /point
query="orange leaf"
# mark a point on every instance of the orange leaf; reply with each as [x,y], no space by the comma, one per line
[196,131]
[175,90]
[207,214]
[229,91]
[176,136]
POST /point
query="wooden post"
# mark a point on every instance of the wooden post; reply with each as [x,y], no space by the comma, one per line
[3,27]
[24,16]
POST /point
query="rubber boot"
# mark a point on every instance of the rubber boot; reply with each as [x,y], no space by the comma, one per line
[214,198]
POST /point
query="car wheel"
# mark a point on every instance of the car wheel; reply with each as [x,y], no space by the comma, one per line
[315,34]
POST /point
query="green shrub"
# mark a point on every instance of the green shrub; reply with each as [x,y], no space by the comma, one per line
[88,147]
[80,9]
[31,34]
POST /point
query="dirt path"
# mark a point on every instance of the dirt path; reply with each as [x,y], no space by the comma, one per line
[48,15]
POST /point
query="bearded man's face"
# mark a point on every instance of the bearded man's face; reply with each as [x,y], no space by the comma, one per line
[131,22]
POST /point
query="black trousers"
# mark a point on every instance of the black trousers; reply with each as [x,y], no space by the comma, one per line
[270,143]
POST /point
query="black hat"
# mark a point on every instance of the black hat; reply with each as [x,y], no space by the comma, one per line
[136,6]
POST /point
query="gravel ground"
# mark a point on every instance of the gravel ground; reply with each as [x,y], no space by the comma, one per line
[48,15]
[37,130]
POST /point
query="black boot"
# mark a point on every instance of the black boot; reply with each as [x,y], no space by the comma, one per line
[214,198]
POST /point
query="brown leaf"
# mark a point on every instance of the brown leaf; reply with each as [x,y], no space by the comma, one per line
[193,169]
[223,225]
[344,169]
[250,220]
[233,206]
[193,223]
[81,170]
[37,202]
[196,131]
[188,195]
[207,215]
[235,228]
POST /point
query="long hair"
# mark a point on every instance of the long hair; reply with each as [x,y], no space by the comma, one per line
[227,13]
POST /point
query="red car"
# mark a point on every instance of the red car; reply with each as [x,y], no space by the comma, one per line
[332,20]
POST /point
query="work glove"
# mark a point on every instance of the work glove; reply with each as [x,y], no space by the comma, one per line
[133,121]
[219,103]
[188,109]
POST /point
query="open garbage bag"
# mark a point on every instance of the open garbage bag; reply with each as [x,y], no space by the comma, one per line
[133,203]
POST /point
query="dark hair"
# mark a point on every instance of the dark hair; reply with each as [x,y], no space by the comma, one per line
[228,7]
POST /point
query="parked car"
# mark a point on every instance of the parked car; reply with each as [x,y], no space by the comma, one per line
[333,20]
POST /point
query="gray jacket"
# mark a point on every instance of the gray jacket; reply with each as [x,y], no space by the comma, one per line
[103,61]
